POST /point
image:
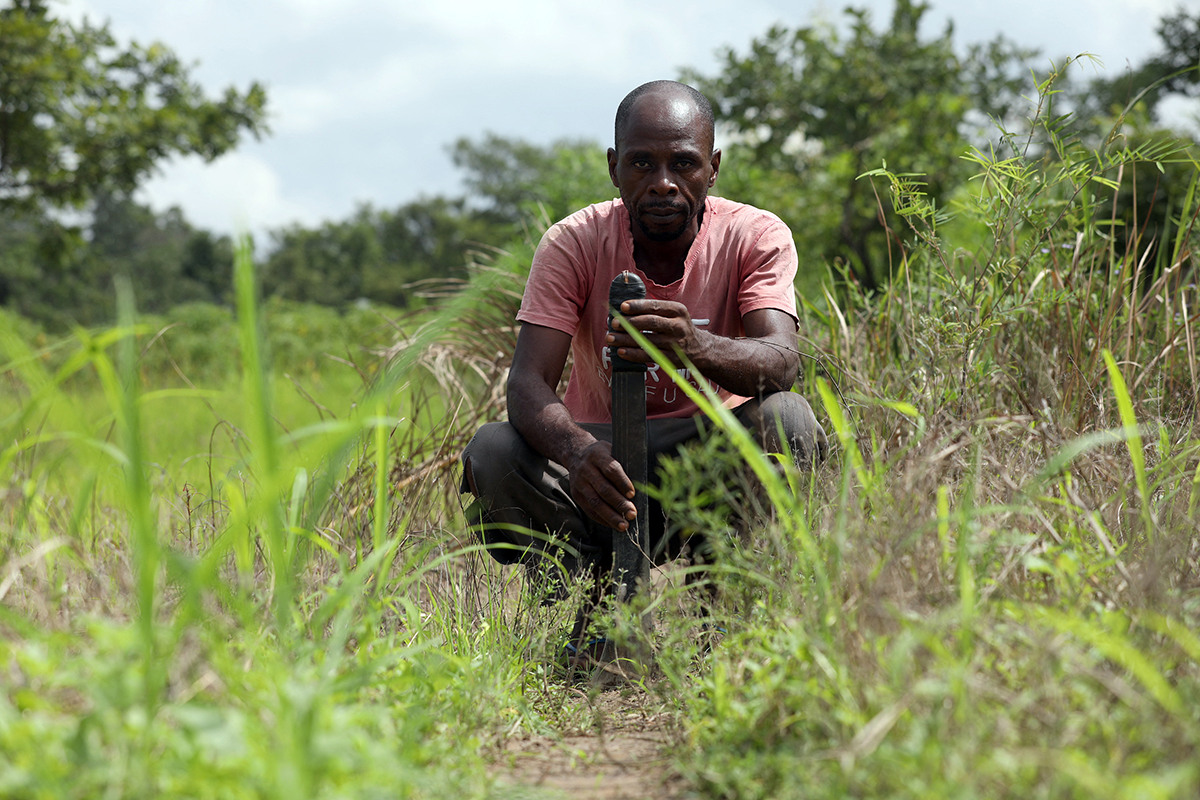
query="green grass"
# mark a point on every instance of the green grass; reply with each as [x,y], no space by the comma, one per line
[1002,596]
[991,589]
[252,580]
[188,433]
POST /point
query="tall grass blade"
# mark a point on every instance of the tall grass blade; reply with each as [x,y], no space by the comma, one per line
[276,536]
[1133,438]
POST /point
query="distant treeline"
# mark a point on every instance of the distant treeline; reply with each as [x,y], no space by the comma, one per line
[58,275]
[803,114]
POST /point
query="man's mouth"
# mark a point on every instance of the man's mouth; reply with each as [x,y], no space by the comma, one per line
[662,213]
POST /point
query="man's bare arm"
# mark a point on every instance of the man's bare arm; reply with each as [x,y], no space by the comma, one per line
[765,360]
[598,484]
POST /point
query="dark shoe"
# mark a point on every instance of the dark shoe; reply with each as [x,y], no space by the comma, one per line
[599,663]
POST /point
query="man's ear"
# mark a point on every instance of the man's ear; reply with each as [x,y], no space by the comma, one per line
[612,167]
[716,167]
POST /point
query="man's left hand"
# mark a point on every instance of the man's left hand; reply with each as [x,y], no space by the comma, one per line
[667,325]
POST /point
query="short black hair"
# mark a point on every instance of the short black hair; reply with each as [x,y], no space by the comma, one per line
[702,105]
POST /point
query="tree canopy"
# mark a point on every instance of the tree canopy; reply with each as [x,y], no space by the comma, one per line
[514,180]
[1174,69]
[810,109]
[514,188]
[59,277]
[80,114]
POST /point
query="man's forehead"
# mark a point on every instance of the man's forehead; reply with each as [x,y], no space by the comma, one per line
[671,107]
[665,116]
[689,147]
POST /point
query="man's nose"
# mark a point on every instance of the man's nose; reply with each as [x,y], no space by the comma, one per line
[663,182]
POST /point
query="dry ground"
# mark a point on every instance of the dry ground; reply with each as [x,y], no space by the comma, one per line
[625,755]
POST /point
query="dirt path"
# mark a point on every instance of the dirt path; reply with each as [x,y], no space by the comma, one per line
[625,756]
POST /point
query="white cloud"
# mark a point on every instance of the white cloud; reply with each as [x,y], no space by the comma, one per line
[237,192]
[342,97]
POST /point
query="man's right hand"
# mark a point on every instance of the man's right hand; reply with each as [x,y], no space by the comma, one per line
[601,488]
[598,484]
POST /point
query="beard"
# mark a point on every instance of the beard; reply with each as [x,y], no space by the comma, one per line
[660,234]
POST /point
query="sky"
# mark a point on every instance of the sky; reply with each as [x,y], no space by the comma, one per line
[365,96]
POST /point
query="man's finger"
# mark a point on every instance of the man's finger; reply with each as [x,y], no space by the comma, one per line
[602,510]
[618,479]
[652,307]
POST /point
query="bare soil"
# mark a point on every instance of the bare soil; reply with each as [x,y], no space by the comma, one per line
[625,755]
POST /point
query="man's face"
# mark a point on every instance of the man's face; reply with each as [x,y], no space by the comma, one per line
[664,166]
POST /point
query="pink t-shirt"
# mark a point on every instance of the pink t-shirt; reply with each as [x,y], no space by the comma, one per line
[742,259]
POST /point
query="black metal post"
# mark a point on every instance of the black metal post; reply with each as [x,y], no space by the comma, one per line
[631,567]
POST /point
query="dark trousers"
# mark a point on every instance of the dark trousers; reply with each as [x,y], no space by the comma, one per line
[524,504]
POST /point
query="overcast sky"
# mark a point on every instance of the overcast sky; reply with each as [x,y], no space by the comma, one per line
[365,95]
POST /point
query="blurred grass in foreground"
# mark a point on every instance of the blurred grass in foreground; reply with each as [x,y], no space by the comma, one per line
[206,594]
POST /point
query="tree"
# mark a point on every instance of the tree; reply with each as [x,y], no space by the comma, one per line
[515,188]
[812,109]
[516,181]
[325,265]
[1179,61]
[1175,69]
[44,272]
[377,254]
[167,261]
[80,115]
[430,237]
[60,277]
[1123,113]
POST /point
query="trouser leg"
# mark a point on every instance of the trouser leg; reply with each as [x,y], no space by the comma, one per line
[784,423]
[525,509]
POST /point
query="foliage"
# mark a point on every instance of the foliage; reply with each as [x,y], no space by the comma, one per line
[50,274]
[375,255]
[197,343]
[813,108]
[79,114]
[1146,211]
[1125,111]
[514,187]
[518,182]
[1175,69]
[42,275]
[56,278]
[240,648]
[83,121]
[991,592]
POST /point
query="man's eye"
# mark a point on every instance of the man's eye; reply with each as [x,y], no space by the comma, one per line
[641,164]
[683,165]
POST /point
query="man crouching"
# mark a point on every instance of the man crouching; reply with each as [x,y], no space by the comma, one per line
[719,294]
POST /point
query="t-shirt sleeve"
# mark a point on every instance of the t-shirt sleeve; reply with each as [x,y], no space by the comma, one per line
[555,292]
[769,270]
